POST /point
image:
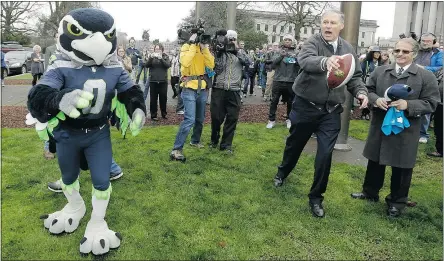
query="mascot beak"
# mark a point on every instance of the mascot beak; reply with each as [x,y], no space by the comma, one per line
[95,46]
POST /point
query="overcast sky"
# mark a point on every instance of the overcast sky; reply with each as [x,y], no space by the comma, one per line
[162,17]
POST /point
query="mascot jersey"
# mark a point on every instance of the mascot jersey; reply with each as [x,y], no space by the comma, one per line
[102,81]
[73,101]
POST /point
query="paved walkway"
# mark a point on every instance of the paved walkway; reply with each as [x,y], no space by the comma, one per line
[17,96]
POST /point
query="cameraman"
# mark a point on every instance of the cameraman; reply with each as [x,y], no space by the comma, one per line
[194,57]
[225,96]
[286,69]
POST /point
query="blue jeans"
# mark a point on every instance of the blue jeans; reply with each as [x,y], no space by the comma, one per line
[115,169]
[147,88]
[46,146]
[194,105]
[425,122]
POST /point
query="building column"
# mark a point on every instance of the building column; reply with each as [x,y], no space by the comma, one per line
[432,17]
[418,17]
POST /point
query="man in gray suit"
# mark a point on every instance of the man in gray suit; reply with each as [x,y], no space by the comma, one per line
[383,150]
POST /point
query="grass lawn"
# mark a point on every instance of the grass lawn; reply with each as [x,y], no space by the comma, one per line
[25,76]
[218,206]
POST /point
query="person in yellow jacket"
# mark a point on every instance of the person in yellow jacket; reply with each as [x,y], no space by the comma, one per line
[194,57]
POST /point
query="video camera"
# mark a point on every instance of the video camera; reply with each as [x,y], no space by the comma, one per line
[412,35]
[187,30]
[221,43]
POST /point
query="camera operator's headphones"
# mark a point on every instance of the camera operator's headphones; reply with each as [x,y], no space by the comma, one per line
[434,37]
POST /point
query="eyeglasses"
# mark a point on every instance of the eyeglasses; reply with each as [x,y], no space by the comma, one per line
[403,51]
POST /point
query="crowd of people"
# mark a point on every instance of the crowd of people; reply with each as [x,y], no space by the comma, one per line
[84,92]
[293,73]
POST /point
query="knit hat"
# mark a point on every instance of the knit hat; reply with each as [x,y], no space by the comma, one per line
[289,36]
[231,34]
[397,91]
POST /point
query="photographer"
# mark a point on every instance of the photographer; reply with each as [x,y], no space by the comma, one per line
[175,72]
[286,69]
[134,54]
[194,57]
[428,58]
[158,62]
[270,70]
[225,96]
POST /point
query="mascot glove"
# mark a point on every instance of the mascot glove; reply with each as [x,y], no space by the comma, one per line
[38,125]
[74,100]
[41,128]
[137,121]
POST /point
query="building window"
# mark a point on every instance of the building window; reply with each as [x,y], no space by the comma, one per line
[282,28]
[312,30]
[258,27]
[266,28]
[362,44]
[274,28]
[290,29]
[305,30]
[281,38]
[273,38]
[363,35]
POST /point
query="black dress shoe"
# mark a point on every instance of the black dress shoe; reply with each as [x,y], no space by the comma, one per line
[154,119]
[278,181]
[227,150]
[317,210]
[361,195]
[393,212]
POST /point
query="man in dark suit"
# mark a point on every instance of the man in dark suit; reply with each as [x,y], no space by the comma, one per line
[383,150]
[316,108]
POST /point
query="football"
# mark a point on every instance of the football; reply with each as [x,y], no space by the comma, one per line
[340,77]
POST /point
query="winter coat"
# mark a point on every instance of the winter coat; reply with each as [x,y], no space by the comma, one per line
[159,68]
[229,70]
[311,83]
[286,66]
[269,60]
[126,63]
[37,67]
[193,62]
[368,67]
[175,66]
[134,54]
[399,150]
[435,61]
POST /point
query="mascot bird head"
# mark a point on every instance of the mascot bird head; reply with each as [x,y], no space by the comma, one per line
[87,36]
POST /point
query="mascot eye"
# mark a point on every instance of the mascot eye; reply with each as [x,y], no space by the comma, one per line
[111,35]
[72,29]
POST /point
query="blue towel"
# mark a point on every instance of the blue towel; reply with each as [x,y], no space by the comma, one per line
[209,72]
[394,121]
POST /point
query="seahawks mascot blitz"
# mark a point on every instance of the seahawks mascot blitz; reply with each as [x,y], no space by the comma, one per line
[73,102]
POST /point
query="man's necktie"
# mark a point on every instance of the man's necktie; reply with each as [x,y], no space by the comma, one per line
[400,70]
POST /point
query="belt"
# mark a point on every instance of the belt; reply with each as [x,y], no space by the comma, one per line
[93,128]
[199,79]
[85,130]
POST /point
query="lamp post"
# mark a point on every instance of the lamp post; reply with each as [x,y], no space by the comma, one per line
[231,15]
[198,10]
[350,33]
